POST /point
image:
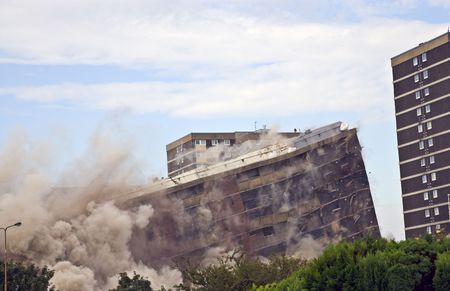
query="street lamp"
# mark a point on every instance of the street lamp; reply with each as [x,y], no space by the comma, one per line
[5,283]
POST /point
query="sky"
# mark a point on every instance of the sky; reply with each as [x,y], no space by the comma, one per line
[154,71]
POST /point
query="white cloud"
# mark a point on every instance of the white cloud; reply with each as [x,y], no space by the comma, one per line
[444,3]
[226,61]
[165,33]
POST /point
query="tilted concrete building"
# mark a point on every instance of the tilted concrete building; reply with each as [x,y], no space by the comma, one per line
[199,149]
[264,201]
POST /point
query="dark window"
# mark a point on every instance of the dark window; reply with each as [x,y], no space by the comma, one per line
[267,230]
[260,212]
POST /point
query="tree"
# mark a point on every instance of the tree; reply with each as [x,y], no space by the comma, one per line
[237,271]
[441,280]
[137,283]
[374,264]
[27,277]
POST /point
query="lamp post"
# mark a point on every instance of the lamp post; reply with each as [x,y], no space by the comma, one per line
[5,283]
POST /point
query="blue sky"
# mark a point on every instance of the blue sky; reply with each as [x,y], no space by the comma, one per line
[167,68]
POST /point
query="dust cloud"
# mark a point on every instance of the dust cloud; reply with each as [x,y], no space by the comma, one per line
[68,222]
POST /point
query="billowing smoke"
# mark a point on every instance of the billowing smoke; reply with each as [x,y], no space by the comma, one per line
[306,248]
[74,228]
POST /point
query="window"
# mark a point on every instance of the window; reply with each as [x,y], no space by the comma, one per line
[182,160]
[429,125]
[419,111]
[436,211]
[426,91]
[425,195]
[226,142]
[432,160]
[428,108]
[438,226]
[435,194]
[429,229]
[433,177]
[424,179]
[200,141]
[427,212]
[425,74]
[419,128]
[422,162]
[417,94]
[416,78]
[415,61]
[215,142]
[421,145]
[179,149]
[424,57]
[430,142]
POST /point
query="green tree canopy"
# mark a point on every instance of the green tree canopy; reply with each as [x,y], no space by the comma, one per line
[27,277]
[369,264]
[136,283]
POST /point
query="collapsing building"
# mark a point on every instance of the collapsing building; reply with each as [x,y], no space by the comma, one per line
[203,149]
[264,201]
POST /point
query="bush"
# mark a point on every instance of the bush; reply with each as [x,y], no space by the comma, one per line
[238,271]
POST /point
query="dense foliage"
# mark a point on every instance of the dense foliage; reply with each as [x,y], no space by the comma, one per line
[369,264]
[238,271]
[27,277]
[136,283]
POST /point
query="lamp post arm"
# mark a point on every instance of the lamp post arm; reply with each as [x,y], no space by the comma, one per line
[5,283]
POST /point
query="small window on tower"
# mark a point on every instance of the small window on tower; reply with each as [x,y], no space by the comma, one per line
[432,160]
[424,179]
[427,212]
[429,229]
[424,57]
[422,162]
[415,61]
[433,177]
[416,78]
[425,195]
[417,94]
[425,74]
[419,111]
[435,194]
[436,211]
[426,91]
[428,108]
[430,142]
[215,142]
[438,226]
[421,145]
[226,142]
[419,128]
[429,125]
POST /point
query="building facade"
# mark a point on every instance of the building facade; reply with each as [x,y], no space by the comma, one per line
[421,79]
[309,189]
[202,149]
